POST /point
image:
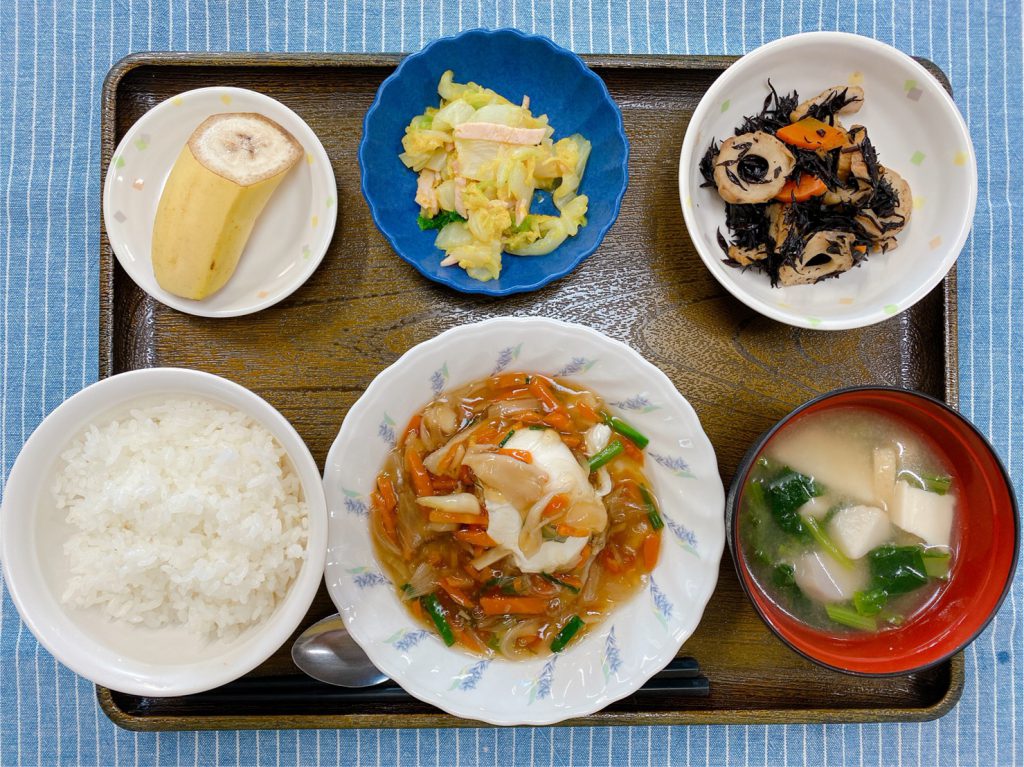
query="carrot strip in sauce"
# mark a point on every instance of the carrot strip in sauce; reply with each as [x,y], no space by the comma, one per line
[572,532]
[558,419]
[468,638]
[571,440]
[651,548]
[414,423]
[475,537]
[466,475]
[458,596]
[520,455]
[453,518]
[609,559]
[586,411]
[543,392]
[555,506]
[387,491]
[488,436]
[584,556]
[420,477]
[443,485]
[514,605]
[508,380]
[631,450]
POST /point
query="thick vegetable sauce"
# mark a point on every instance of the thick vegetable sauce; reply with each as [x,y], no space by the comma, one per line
[514,514]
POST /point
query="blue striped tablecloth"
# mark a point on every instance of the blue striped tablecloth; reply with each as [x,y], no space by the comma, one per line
[53,57]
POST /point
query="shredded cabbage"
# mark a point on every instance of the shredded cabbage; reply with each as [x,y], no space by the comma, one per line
[478,156]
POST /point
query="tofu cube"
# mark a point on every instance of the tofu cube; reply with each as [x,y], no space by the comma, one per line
[856,530]
[927,515]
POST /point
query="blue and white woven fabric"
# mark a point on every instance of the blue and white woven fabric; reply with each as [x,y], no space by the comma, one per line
[53,57]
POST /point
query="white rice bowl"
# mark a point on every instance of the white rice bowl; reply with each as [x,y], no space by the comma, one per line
[163,558]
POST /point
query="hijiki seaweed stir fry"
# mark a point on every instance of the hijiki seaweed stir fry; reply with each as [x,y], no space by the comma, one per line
[805,197]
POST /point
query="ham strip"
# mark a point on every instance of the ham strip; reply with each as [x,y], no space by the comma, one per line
[503,134]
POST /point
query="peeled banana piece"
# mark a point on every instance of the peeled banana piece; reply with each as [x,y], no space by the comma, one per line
[217,189]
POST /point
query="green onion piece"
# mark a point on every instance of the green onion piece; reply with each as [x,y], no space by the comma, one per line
[604,456]
[569,630]
[548,533]
[556,581]
[871,602]
[847,617]
[507,438]
[818,533]
[933,484]
[536,427]
[436,612]
[652,510]
[626,430]
[936,564]
[440,221]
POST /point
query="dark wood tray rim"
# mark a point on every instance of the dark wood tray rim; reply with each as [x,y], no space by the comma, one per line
[128,721]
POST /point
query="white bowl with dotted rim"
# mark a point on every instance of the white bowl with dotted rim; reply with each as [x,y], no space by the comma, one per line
[640,636]
[290,237]
[917,130]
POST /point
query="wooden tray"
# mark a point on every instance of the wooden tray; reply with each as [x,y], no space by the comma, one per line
[312,356]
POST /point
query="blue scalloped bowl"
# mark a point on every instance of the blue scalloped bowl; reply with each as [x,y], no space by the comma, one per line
[514,64]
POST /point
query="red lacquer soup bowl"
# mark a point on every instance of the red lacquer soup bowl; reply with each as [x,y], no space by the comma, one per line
[987,542]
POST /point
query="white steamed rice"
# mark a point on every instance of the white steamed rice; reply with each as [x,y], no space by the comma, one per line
[183,513]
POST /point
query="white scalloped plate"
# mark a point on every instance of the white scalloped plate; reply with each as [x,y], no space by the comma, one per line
[290,237]
[917,130]
[639,638]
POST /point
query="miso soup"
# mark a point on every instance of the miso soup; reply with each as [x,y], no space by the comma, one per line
[848,521]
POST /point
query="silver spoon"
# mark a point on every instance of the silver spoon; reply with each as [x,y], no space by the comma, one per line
[326,652]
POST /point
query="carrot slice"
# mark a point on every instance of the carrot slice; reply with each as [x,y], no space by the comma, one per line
[584,556]
[810,133]
[572,532]
[443,485]
[458,596]
[387,491]
[508,380]
[488,436]
[454,518]
[414,423]
[475,536]
[558,419]
[556,506]
[801,190]
[420,477]
[571,440]
[543,392]
[520,455]
[586,411]
[652,548]
[631,450]
[514,605]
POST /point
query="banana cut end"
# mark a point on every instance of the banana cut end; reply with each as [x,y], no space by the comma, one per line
[244,147]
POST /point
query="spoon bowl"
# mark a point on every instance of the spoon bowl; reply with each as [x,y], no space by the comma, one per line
[326,652]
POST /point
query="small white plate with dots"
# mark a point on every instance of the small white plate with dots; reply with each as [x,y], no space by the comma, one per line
[290,237]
